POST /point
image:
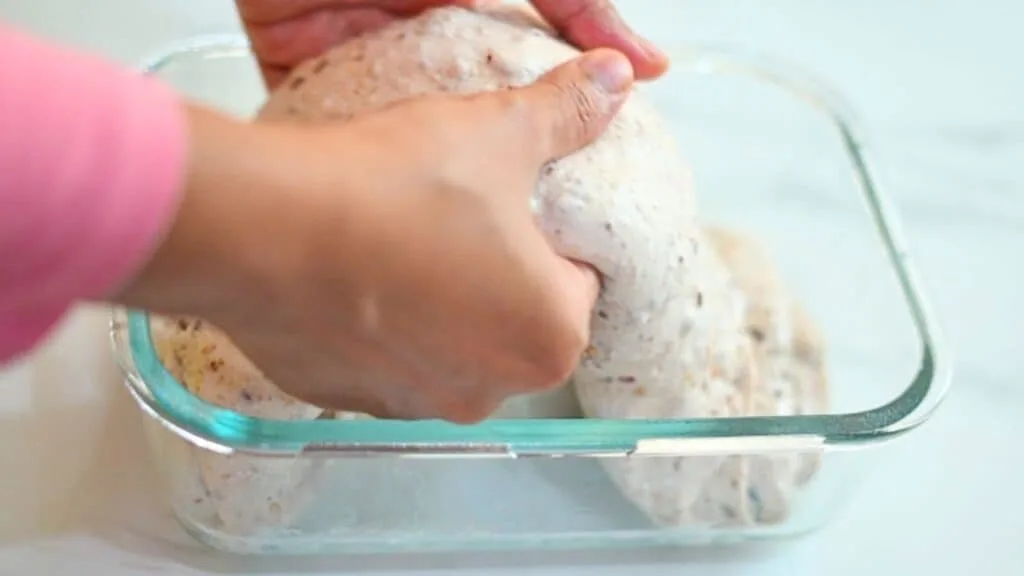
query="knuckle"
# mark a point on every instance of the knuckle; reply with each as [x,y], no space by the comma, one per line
[512,102]
[563,114]
[580,106]
[468,409]
[514,107]
[567,357]
[560,354]
[510,112]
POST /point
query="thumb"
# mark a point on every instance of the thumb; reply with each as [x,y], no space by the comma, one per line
[570,106]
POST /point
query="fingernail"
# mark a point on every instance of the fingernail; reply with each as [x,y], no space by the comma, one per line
[608,69]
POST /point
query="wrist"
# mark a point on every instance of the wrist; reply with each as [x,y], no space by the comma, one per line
[225,236]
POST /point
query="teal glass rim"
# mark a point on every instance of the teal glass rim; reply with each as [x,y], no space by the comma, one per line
[227,431]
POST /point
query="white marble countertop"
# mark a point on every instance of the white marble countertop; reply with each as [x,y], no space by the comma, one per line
[940,89]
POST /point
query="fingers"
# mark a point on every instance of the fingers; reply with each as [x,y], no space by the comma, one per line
[593,24]
[571,106]
[565,334]
[560,297]
[283,44]
[273,11]
[286,32]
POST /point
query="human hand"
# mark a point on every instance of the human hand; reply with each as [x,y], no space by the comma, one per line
[287,32]
[391,265]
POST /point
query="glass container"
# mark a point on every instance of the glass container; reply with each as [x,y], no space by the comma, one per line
[775,155]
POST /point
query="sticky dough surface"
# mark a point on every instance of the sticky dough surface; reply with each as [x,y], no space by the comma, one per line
[773,365]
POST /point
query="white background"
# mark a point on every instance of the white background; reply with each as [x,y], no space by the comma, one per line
[940,87]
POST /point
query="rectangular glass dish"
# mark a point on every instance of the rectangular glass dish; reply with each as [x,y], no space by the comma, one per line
[775,156]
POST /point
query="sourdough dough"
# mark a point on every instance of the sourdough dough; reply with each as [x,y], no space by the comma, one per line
[673,335]
[789,346]
[240,494]
[771,363]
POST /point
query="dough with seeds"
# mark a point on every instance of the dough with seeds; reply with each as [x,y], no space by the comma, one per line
[239,494]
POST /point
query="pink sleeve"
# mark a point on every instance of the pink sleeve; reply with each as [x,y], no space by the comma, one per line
[92,161]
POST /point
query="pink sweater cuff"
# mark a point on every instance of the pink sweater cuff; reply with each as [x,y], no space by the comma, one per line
[92,163]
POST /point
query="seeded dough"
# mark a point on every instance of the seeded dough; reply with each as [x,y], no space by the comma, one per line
[789,347]
[784,334]
[671,336]
[240,494]
[766,358]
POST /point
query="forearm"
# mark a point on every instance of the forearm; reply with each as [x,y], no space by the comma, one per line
[236,229]
[111,189]
[92,162]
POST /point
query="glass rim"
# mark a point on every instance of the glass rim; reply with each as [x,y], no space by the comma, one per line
[226,431]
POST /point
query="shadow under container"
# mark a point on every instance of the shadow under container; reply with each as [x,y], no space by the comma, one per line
[775,155]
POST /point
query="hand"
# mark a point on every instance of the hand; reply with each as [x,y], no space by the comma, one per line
[287,32]
[391,265]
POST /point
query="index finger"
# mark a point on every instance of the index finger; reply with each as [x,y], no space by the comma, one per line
[593,24]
